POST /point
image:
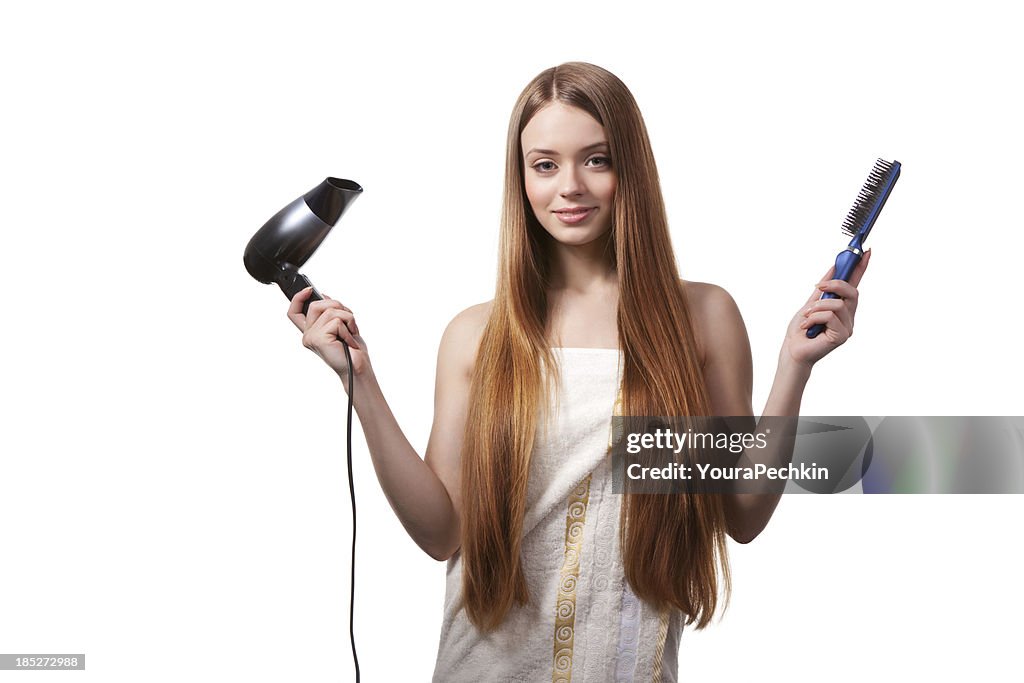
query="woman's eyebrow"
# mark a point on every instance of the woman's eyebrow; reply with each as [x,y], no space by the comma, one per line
[554,153]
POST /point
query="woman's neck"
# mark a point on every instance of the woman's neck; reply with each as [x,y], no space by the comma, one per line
[581,269]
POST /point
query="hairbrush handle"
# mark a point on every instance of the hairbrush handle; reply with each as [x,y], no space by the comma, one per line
[845,263]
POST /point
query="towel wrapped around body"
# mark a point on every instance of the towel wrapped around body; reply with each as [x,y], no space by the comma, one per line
[582,622]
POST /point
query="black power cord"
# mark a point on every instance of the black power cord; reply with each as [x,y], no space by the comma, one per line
[352,496]
[274,255]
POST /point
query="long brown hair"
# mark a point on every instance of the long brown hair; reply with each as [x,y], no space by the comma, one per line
[671,544]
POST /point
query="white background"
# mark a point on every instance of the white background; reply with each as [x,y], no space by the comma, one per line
[172,478]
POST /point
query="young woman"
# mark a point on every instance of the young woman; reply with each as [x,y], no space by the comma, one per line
[550,574]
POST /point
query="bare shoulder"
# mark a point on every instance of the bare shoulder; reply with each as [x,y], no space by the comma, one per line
[474,316]
[715,316]
[704,295]
[461,338]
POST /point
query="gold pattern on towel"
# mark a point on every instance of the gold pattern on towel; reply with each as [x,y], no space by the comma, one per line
[615,428]
[565,604]
[659,651]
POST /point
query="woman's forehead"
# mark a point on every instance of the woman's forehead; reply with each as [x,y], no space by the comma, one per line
[562,129]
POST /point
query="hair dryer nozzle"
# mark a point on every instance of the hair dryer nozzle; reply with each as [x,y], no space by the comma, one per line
[288,239]
[329,199]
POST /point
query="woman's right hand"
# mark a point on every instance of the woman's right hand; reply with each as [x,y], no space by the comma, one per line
[324,326]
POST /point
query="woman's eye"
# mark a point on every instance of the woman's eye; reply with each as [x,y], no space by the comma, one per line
[598,161]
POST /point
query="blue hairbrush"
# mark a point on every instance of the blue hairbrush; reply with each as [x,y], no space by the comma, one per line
[859,222]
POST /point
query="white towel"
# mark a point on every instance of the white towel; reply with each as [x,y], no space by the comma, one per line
[582,622]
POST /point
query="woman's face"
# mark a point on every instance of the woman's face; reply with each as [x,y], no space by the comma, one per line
[569,177]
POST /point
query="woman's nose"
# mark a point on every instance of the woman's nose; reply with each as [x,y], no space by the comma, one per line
[572,182]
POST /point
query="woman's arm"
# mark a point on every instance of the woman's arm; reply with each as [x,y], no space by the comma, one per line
[728,371]
[424,493]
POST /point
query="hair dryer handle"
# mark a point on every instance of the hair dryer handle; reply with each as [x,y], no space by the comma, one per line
[293,282]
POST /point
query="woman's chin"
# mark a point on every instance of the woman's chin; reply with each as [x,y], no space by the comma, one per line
[577,237]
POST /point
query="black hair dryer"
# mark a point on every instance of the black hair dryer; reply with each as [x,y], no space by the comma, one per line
[275,254]
[277,251]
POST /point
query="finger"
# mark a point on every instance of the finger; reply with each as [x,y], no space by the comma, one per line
[354,326]
[843,290]
[835,332]
[295,307]
[839,331]
[332,313]
[325,333]
[338,329]
[862,266]
[344,307]
[317,309]
[838,306]
[830,320]
[347,320]
[818,318]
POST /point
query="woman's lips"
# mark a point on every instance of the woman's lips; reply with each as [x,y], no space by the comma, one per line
[575,216]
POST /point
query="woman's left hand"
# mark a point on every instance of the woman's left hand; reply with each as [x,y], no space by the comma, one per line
[836,314]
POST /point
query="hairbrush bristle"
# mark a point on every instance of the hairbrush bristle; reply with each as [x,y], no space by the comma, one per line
[874,193]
